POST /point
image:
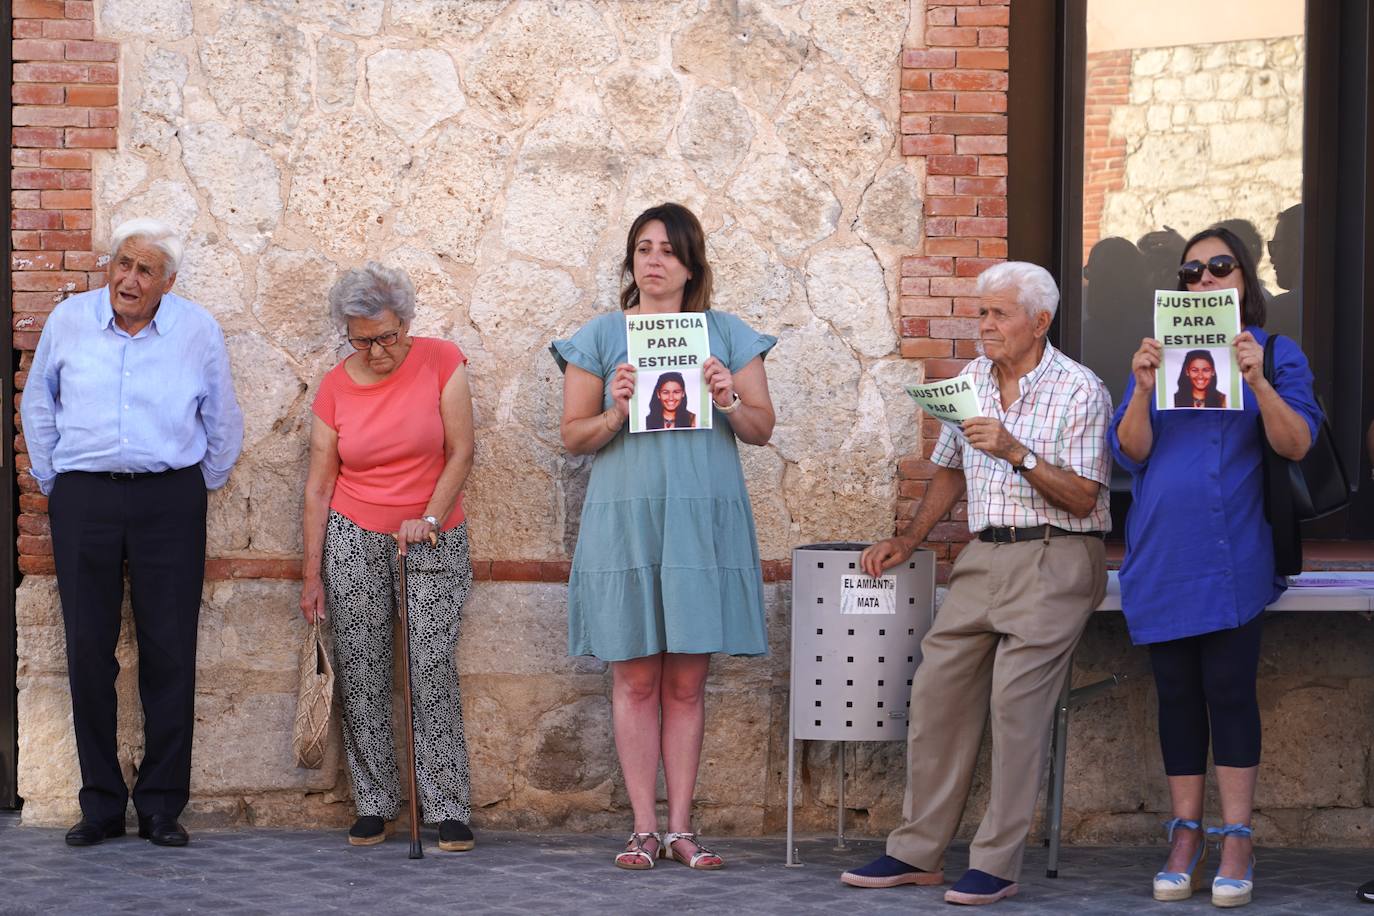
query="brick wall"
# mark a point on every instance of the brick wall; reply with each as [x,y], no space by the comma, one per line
[954,103]
[66,96]
[1108,86]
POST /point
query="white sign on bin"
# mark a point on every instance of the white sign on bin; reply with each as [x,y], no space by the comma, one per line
[867,595]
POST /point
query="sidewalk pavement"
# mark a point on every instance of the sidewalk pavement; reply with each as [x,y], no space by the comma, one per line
[299,871]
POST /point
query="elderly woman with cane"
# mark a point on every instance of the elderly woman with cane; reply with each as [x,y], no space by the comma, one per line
[390,449]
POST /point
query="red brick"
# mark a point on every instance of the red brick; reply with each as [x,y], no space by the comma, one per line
[91,137]
[951,286]
[916,468]
[37,566]
[970,80]
[26,158]
[920,349]
[984,15]
[951,37]
[36,94]
[80,9]
[62,240]
[954,327]
[972,267]
[34,545]
[939,15]
[952,165]
[916,286]
[980,187]
[35,219]
[81,260]
[52,73]
[104,117]
[967,306]
[93,96]
[933,59]
[66,159]
[76,180]
[24,241]
[992,165]
[951,206]
[927,101]
[36,260]
[103,73]
[33,502]
[916,80]
[992,206]
[966,349]
[39,116]
[953,247]
[26,340]
[981,226]
[96,279]
[92,50]
[980,144]
[943,368]
[69,29]
[67,200]
[992,248]
[927,267]
[914,327]
[923,307]
[39,9]
[515,570]
[939,185]
[980,102]
[939,226]
[37,136]
[37,49]
[27,28]
[26,200]
[928,145]
[968,124]
[34,524]
[911,489]
[36,280]
[993,37]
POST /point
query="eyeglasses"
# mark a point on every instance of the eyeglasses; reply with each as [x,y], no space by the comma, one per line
[385,340]
[1219,267]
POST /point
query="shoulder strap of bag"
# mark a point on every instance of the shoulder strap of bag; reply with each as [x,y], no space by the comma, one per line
[1278,491]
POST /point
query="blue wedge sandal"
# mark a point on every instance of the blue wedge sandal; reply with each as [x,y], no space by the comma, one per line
[1179,885]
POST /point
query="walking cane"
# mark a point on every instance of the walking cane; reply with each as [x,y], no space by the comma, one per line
[403,607]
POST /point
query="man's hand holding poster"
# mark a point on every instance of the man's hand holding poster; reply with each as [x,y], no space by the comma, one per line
[952,401]
[1199,369]
[667,352]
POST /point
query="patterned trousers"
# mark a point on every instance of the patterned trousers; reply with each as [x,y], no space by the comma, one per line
[361,583]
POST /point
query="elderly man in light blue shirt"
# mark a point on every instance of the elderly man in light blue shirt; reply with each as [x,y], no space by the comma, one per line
[130,417]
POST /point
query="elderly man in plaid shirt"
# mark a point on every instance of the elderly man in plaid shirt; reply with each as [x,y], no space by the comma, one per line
[1035,469]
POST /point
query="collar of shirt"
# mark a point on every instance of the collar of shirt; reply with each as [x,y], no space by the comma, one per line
[990,391]
[162,322]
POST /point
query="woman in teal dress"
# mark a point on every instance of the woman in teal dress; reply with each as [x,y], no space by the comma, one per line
[666,569]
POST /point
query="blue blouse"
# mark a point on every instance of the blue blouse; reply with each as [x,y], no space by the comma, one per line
[1199,552]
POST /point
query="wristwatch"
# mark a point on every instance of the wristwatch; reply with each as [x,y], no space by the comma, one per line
[1028,463]
[734,405]
[433,522]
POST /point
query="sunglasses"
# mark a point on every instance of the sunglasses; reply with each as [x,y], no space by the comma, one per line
[1219,266]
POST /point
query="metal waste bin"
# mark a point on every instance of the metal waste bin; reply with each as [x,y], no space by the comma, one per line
[856,642]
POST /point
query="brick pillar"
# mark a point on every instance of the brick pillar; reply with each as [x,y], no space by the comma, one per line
[954,103]
[66,100]
[1108,86]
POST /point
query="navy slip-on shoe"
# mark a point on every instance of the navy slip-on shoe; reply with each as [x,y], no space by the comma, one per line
[886,871]
[978,887]
[1366,892]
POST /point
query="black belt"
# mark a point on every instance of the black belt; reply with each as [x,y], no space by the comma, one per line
[129,475]
[1014,535]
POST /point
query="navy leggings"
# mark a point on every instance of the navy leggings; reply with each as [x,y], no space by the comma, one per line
[1208,678]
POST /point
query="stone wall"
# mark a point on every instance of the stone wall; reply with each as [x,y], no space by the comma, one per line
[1211,132]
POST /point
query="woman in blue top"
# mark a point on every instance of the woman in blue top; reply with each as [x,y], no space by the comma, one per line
[666,569]
[1199,565]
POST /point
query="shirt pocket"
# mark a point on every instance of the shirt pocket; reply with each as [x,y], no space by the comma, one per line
[1046,452]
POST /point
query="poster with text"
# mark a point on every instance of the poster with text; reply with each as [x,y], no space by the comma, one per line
[1199,370]
[952,401]
[667,353]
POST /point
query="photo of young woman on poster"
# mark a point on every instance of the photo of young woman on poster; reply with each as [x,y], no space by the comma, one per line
[1198,381]
[668,404]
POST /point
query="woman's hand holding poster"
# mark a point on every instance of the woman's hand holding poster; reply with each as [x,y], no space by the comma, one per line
[667,352]
[1199,369]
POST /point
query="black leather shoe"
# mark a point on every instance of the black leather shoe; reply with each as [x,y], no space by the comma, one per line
[1365,894]
[162,830]
[455,836]
[88,833]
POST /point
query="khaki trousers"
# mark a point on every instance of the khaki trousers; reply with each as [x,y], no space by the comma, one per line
[1000,649]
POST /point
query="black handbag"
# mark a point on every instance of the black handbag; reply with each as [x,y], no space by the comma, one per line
[1299,491]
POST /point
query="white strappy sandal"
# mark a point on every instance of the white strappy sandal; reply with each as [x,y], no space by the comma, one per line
[636,857]
[697,859]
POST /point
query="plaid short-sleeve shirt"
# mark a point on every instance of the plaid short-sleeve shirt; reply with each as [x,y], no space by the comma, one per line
[1062,415]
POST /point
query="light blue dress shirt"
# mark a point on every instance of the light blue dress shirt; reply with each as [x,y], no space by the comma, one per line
[99,400]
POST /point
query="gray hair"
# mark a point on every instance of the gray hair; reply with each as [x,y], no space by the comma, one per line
[367,291]
[156,233]
[1033,286]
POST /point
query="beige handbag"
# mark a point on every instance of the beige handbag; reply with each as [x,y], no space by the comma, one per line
[314,701]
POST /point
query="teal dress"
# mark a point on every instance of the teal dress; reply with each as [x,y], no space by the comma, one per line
[666,557]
